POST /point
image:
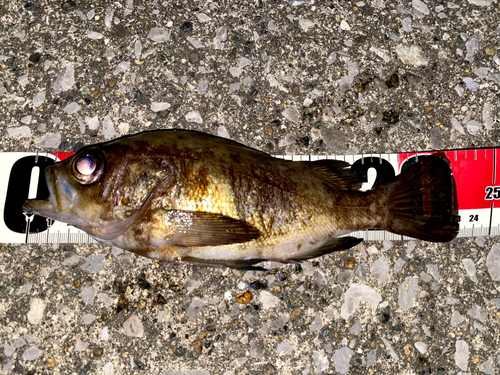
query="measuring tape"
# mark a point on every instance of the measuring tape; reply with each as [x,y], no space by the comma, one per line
[475,172]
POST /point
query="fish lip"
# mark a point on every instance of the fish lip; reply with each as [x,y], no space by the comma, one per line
[49,207]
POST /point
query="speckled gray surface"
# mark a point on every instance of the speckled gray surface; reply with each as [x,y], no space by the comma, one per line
[298,76]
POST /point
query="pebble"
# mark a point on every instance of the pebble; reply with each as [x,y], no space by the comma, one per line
[38,99]
[285,348]
[456,319]
[291,114]
[222,132]
[8,350]
[64,80]
[334,139]
[476,312]
[195,42]
[354,295]
[457,125]
[194,116]
[88,295]
[109,128]
[202,87]
[257,349]
[421,347]
[321,278]
[159,106]
[320,361]
[461,354]
[94,263]
[421,7]
[93,123]
[71,260]
[71,108]
[317,324]
[411,55]
[94,35]
[372,357]
[37,308]
[472,45]
[192,285]
[305,24]
[32,353]
[122,67]
[268,300]
[493,262]
[399,264]
[202,17]
[21,131]
[470,83]
[341,359]
[194,308]
[88,319]
[407,291]
[133,327]
[470,267]
[50,141]
[108,368]
[20,342]
[380,270]
[436,139]
[159,34]
[80,346]
[487,367]
[390,349]
[23,80]
[220,36]
[244,297]
[96,94]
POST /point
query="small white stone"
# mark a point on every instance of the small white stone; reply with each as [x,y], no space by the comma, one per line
[411,55]
[38,99]
[133,327]
[71,108]
[222,132]
[194,116]
[202,17]
[268,300]
[93,123]
[37,308]
[421,347]
[462,355]
[344,25]
[80,346]
[305,24]
[94,35]
[159,106]
[421,7]
[159,34]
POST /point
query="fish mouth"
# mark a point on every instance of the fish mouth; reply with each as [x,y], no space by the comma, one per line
[53,208]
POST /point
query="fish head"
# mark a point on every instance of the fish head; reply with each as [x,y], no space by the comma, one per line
[102,189]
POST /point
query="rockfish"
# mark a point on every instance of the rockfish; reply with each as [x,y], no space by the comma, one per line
[189,197]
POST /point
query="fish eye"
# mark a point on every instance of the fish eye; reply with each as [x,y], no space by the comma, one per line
[87,168]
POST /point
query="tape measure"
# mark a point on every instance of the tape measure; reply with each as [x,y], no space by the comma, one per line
[475,172]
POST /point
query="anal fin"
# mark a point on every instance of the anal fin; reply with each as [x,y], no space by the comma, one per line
[332,245]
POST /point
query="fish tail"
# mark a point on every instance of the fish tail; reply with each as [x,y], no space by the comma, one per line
[422,201]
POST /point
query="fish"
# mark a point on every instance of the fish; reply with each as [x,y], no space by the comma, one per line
[188,197]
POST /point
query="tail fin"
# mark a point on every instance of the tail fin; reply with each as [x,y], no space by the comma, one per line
[423,202]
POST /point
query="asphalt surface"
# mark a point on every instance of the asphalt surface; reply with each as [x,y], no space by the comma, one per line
[286,77]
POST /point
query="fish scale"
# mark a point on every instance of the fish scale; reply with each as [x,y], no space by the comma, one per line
[475,171]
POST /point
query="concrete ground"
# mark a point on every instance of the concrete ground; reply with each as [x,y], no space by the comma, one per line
[286,77]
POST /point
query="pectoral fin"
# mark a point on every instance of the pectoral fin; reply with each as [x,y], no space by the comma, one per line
[194,228]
